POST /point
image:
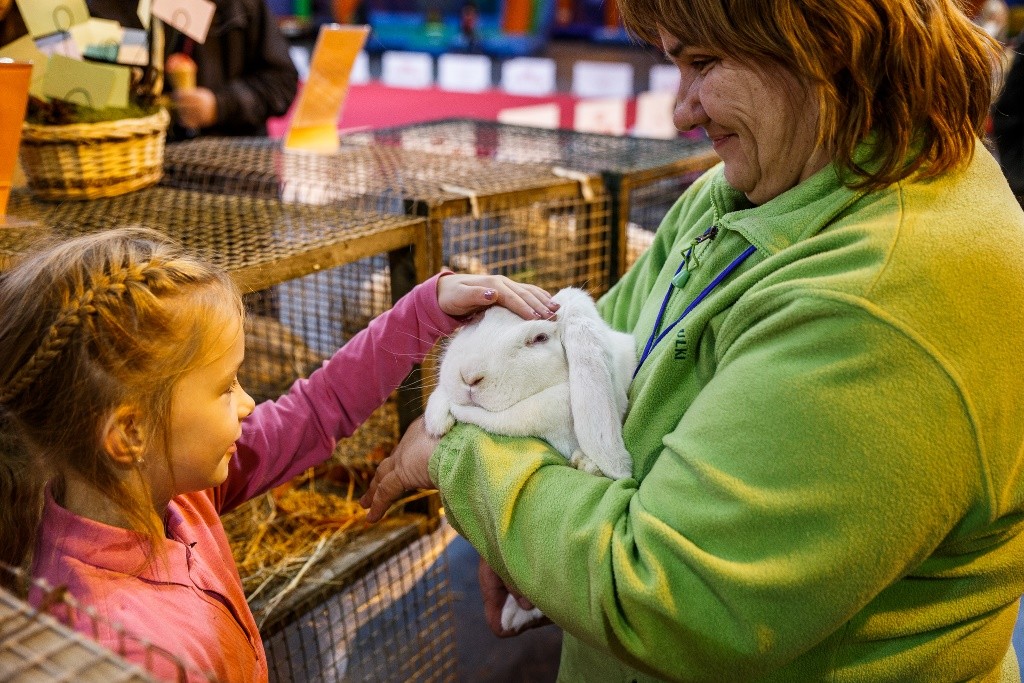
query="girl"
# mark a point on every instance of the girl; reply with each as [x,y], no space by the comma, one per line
[118,362]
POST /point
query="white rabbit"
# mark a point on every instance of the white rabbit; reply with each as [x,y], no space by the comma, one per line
[563,380]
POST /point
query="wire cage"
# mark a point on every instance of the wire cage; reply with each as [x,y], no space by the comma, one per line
[394,622]
[39,645]
[525,221]
[303,268]
[380,611]
[643,176]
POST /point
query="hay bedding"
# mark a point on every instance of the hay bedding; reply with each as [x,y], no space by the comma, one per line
[278,537]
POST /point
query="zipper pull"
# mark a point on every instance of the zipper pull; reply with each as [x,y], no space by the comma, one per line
[690,261]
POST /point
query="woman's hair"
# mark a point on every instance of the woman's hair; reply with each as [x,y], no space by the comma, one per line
[915,73]
[89,325]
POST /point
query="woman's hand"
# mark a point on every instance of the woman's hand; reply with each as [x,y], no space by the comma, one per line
[495,593]
[463,294]
[405,469]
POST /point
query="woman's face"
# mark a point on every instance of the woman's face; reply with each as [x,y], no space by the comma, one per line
[761,120]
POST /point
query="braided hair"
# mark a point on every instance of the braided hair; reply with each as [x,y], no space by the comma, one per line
[89,325]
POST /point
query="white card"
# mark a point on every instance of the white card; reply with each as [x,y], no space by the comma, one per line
[602,79]
[43,17]
[654,115]
[528,76]
[300,58]
[407,69]
[59,44]
[144,12]
[535,116]
[464,73]
[134,47]
[96,32]
[663,77]
[191,17]
[360,69]
[601,116]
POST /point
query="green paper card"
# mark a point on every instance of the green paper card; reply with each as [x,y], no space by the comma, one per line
[80,82]
[43,17]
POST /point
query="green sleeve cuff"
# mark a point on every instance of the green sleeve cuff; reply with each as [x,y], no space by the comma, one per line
[444,454]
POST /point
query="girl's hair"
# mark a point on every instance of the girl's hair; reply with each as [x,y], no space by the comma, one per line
[917,74]
[89,325]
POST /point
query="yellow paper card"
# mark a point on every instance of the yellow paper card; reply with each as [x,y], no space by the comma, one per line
[43,17]
[24,50]
[314,124]
[96,32]
[79,82]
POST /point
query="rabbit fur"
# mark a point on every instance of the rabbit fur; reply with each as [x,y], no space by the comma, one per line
[564,381]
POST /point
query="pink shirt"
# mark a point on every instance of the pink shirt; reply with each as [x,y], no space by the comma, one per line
[193,605]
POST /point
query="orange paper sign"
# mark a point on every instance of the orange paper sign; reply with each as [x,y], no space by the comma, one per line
[314,125]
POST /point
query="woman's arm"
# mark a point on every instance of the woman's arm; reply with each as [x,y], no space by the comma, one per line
[760,529]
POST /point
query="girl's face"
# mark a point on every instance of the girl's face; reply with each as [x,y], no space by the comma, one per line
[762,121]
[207,409]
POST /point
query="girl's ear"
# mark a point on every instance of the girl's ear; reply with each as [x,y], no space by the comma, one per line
[123,438]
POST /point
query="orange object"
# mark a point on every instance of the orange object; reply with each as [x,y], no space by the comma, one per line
[181,71]
[517,16]
[612,17]
[14,81]
[345,11]
[314,123]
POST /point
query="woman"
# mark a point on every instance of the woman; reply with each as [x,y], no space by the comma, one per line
[828,447]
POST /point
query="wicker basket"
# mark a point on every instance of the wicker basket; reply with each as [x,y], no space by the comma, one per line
[90,160]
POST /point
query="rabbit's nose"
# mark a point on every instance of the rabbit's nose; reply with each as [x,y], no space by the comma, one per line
[473,379]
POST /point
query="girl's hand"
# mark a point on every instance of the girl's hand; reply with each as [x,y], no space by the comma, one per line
[405,469]
[462,294]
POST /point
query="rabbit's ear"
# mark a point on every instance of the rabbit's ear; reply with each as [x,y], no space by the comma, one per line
[592,391]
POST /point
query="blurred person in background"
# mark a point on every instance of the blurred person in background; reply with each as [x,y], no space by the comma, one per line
[244,74]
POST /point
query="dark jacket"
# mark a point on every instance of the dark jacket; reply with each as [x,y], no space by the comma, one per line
[244,61]
[1008,125]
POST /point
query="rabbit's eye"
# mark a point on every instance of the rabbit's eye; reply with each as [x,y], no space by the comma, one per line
[538,339]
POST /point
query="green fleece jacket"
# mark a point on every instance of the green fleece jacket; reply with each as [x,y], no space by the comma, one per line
[828,450]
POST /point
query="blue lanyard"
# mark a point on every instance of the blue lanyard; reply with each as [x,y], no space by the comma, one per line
[655,338]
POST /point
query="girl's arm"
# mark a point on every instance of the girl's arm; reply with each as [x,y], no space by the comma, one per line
[299,430]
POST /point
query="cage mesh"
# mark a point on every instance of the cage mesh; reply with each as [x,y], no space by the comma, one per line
[313,275]
[38,644]
[522,220]
[644,176]
[393,622]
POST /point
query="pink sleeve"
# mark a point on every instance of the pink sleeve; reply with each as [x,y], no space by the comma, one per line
[299,430]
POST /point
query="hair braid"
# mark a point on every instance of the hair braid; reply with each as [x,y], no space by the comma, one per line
[106,289]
